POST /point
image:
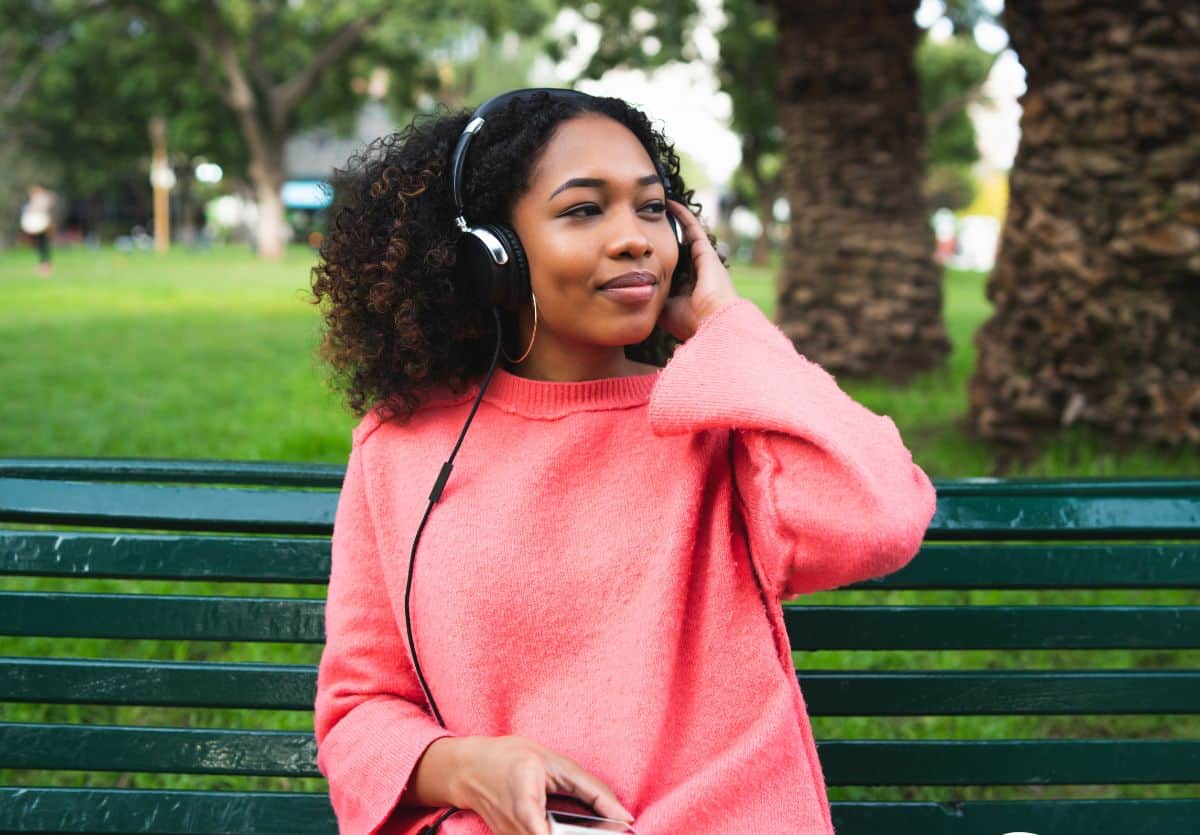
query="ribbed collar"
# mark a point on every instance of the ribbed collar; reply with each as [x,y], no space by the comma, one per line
[545,399]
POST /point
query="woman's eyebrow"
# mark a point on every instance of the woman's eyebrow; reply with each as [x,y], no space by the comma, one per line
[592,182]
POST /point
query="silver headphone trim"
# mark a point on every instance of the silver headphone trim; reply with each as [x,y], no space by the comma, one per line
[495,248]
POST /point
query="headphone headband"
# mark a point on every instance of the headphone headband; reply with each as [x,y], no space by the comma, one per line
[459,159]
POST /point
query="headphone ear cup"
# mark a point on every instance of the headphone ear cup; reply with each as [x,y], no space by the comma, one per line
[476,270]
[513,289]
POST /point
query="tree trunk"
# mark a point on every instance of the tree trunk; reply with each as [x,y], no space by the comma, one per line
[1097,282]
[859,292]
[267,176]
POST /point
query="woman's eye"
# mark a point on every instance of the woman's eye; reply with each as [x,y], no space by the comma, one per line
[585,210]
[657,207]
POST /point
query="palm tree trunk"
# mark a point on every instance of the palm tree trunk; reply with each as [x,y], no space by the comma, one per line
[1097,282]
[860,292]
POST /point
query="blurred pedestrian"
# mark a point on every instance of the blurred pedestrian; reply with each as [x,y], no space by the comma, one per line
[37,221]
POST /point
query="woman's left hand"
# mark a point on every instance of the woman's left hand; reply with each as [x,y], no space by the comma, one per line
[682,315]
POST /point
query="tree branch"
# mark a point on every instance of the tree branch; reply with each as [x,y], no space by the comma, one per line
[262,15]
[289,92]
[240,95]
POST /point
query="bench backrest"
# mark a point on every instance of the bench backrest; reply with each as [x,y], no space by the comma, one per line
[98,558]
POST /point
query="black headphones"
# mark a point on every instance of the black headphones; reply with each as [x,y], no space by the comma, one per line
[491,264]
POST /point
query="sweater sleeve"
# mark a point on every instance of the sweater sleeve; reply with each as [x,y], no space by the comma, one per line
[370,719]
[827,490]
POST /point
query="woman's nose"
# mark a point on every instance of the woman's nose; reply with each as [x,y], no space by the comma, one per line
[628,238]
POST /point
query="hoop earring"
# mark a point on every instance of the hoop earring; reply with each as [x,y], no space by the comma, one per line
[532,338]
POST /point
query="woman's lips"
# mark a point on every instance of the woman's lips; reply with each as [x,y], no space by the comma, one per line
[631,288]
[634,294]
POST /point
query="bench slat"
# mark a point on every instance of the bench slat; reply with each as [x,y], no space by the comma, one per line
[1148,514]
[1046,817]
[149,557]
[167,470]
[163,683]
[991,627]
[167,507]
[828,693]
[123,811]
[990,565]
[1149,510]
[306,560]
[126,811]
[1012,762]
[845,762]
[224,618]
[177,750]
[954,693]
[163,617]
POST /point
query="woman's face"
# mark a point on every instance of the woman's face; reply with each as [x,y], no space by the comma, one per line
[595,210]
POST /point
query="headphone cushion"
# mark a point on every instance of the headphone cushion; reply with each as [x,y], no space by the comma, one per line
[516,273]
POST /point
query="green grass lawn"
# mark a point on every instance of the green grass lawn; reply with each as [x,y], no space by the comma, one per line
[212,355]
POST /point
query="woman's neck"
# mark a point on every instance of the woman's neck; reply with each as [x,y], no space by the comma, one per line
[544,368]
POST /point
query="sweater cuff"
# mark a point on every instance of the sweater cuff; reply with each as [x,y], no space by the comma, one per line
[738,371]
[384,746]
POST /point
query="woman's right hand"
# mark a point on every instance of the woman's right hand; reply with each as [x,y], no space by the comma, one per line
[505,780]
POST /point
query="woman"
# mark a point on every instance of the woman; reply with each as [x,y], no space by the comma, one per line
[594,608]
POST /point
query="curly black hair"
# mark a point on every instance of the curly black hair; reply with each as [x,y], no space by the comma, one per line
[398,325]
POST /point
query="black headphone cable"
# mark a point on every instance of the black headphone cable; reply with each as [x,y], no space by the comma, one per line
[434,496]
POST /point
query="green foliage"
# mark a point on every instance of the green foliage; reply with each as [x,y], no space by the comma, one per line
[108,67]
[630,28]
[950,73]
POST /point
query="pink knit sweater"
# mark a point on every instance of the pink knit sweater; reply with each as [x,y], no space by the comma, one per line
[603,574]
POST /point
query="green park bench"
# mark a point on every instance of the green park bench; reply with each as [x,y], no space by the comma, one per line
[71,527]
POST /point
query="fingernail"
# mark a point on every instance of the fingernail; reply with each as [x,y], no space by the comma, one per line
[628,815]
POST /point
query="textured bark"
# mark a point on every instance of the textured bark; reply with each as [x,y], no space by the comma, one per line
[859,292]
[1097,282]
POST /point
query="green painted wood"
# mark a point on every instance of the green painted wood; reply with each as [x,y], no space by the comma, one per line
[306,560]
[167,507]
[122,811]
[993,692]
[1161,514]
[1051,817]
[177,750]
[1009,762]
[278,473]
[163,617]
[828,693]
[150,557]
[227,618]
[845,762]
[165,683]
[992,565]
[1143,510]
[991,627]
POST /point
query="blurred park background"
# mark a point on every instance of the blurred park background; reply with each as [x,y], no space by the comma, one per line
[1022,297]
[983,218]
